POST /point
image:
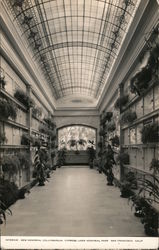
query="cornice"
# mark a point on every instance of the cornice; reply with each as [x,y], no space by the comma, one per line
[76,113]
[132,49]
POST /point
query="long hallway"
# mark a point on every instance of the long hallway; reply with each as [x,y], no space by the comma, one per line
[75,202]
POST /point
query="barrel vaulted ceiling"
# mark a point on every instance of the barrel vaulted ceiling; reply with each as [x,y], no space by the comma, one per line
[75,42]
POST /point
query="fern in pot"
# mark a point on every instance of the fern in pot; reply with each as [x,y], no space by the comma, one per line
[129,116]
[7,109]
[121,101]
[150,133]
[140,82]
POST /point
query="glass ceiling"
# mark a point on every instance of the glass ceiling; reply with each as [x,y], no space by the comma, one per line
[75,42]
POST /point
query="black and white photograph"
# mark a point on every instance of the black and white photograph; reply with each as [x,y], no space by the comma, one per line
[79,124]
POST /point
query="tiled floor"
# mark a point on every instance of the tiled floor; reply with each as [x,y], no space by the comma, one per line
[75,202]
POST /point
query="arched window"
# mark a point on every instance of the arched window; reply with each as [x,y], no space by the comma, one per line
[76,137]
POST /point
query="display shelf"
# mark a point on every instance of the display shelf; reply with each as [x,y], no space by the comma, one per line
[137,98]
[151,115]
[142,171]
[146,145]
[13,99]
[14,147]
[39,133]
[14,124]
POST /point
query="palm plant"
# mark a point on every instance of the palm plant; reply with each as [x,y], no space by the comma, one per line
[3,211]
[148,194]
[150,186]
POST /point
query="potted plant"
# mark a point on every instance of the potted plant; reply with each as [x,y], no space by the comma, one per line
[154,166]
[150,186]
[100,144]
[8,193]
[121,101]
[2,82]
[72,143]
[129,116]
[111,126]
[140,82]
[36,142]
[150,133]
[92,155]
[61,155]
[3,138]
[37,112]
[123,157]
[7,109]
[3,211]
[26,139]
[82,142]
[140,205]
[115,141]
[53,154]
[24,98]
[153,58]
[101,132]
[10,165]
[43,129]
[24,159]
[128,184]
[108,165]
[50,122]
[107,117]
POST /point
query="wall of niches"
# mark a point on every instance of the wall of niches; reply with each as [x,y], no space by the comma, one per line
[27,120]
[146,108]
